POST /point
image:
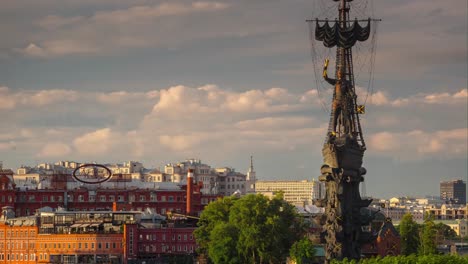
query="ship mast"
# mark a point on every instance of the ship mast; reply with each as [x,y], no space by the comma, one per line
[344,148]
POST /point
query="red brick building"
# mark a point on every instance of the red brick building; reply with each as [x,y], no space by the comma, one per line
[387,242]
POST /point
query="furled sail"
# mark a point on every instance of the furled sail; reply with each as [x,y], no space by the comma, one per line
[342,37]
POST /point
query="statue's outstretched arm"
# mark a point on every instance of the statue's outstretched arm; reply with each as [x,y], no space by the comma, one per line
[325,74]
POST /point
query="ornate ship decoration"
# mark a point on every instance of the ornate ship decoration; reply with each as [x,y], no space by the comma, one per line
[345,223]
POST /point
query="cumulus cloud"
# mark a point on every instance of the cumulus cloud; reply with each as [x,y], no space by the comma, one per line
[47,97]
[94,143]
[445,98]
[55,150]
[185,100]
[381,98]
[418,144]
[200,121]
[10,99]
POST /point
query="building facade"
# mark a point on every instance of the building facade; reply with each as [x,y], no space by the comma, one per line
[453,191]
[299,193]
[223,181]
[93,237]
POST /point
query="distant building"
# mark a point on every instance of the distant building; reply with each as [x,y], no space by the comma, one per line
[299,193]
[215,181]
[388,240]
[453,191]
[460,226]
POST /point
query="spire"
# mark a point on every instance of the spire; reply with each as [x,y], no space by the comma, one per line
[251,169]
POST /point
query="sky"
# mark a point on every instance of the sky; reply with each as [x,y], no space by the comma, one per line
[164,81]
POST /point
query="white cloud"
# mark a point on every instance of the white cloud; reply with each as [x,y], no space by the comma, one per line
[33,50]
[201,121]
[47,97]
[94,143]
[381,98]
[444,98]
[417,144]
[55,150]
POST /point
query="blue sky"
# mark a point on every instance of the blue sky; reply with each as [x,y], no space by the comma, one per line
[162,81]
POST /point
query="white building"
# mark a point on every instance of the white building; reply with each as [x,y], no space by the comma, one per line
[223,181]
[299,193]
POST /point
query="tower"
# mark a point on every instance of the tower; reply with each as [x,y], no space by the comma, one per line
[251,178]
[453,191]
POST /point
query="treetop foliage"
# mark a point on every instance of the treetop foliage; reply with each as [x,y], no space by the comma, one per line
[250,229]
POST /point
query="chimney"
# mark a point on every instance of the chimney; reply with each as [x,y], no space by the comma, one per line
[189,191]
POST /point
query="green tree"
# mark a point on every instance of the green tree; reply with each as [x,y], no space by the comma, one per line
[409,235]
[302,251]
[445,232]
[251,229]
[213,214]
[428,238]
[223,239]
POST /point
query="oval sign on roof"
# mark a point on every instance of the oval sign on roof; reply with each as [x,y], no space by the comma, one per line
[92,173]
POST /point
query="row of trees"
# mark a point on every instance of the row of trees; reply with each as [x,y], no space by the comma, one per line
[422,239]
[252,229]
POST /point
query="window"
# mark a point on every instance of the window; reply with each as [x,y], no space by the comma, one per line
[142,198]
[111,198]
[45,198]
[121,198]
[92,198]
[80,198]
[102,198]
[52,198]
[171,198]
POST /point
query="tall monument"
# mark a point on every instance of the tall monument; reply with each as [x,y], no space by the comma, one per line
[344,147]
